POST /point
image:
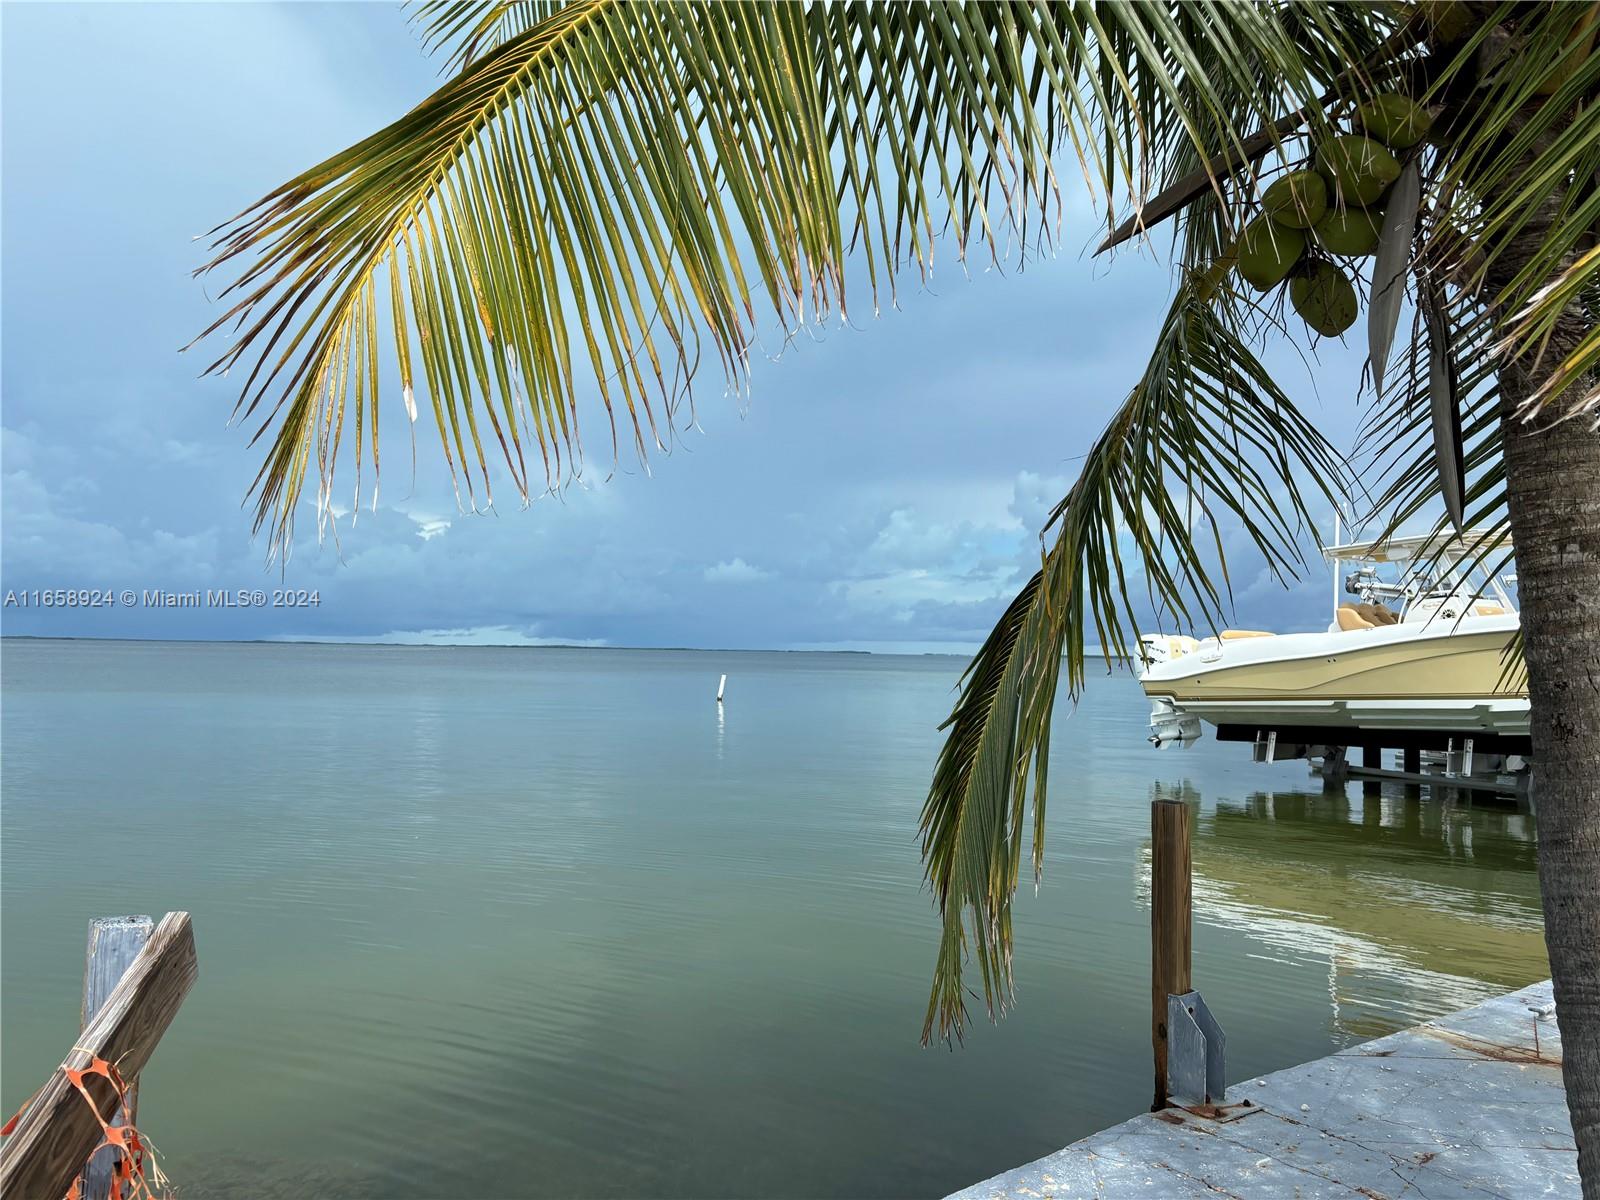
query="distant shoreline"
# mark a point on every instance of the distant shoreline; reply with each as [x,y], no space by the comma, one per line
[30,637]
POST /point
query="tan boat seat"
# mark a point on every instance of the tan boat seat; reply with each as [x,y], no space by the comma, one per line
[1377,614]
[1229,635]
[1349,619]
[1488,610]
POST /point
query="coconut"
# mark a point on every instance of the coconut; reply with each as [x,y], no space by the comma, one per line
[1448,20]
[1324,297]
[1360,168]
[1327,181]
[1298,199]
[1351,231]
[1268,251]
[1396,121]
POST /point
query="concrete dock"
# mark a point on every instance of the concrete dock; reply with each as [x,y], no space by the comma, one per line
[1470,1105]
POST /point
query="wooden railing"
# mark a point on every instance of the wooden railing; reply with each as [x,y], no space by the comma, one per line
[125,1011]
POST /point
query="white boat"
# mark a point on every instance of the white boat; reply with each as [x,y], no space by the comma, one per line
[1415,661]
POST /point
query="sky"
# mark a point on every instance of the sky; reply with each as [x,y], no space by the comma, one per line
[880,486]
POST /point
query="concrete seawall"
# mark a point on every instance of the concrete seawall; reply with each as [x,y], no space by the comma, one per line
[1470,1105]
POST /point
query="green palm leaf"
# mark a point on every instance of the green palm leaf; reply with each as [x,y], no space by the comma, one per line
[620,186]
[1519,170]
[1207,438]
[972,822]
[469,29]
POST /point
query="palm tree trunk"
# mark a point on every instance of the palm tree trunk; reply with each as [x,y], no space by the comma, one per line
[1553,478]
[1553,487]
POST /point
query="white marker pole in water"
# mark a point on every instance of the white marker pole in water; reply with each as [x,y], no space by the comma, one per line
[721,684]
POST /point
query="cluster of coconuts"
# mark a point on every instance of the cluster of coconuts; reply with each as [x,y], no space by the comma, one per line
[1330,209]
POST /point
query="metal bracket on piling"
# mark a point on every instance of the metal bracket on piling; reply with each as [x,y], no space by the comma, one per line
[1458,758]
[1196,1046]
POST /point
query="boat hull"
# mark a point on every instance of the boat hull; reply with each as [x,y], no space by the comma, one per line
[1441,676]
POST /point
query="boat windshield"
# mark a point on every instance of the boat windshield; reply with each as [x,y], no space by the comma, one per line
[1412,579]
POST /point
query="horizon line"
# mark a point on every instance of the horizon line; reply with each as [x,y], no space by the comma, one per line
[1094,652]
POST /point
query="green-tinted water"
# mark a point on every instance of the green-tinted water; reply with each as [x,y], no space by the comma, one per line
[486,922]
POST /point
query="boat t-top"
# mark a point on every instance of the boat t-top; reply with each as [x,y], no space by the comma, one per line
[1416,657]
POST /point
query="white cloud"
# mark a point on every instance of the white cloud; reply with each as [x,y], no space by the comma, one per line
[1034,497]
[906,540]
[429,525]
[735,570]
[900,592]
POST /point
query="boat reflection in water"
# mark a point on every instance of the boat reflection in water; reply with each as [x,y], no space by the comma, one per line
[1390,894]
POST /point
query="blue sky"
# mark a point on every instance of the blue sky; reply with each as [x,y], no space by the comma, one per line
[881,486]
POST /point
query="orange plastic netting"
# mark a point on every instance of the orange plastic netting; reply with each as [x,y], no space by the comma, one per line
[134,1173]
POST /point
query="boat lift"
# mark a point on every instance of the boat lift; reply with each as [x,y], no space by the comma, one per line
[1499,764]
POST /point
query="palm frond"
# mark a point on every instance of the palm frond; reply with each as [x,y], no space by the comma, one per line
[972,824]
[1397,443]
[469,29]
[1206,438]
[1322,48]
[1511,163]
[1576,289]
[1520,185]
[604,193]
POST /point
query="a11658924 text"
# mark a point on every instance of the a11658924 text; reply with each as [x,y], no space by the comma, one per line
[161,598]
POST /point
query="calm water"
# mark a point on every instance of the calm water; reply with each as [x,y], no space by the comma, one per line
[505,923]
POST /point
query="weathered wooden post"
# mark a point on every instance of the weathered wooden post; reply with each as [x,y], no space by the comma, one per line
[57,1131]
[114,942]
[1170,917]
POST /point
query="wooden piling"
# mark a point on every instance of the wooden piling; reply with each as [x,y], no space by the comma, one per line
[1171,891]
[57,1131]
[114,942]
